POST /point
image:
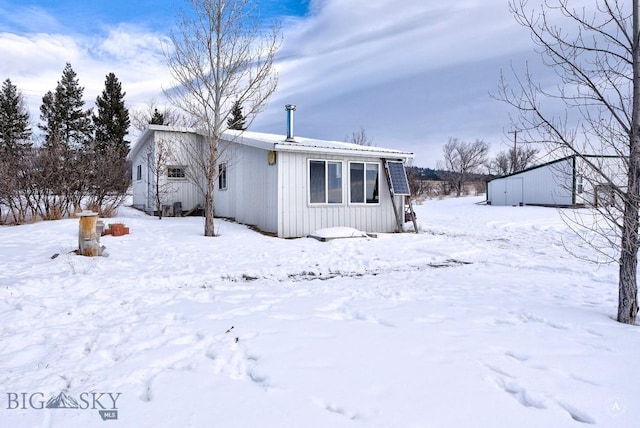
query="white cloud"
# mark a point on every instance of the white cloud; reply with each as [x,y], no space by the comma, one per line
[133,53]
[412,73]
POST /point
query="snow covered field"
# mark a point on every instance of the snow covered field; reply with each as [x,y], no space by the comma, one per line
[481,320]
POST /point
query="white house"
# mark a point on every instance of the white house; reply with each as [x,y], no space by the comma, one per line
[566,182]
[283,185]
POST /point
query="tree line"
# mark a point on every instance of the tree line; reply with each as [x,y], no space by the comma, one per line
[79,159]
[467,163]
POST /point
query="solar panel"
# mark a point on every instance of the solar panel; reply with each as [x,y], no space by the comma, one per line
[399,183]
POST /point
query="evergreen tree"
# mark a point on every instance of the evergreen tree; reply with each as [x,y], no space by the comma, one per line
[14,153]
[65,121]
[67,131]
[112,121]
[14,121]
[237,119]
[107,156]
[157,118]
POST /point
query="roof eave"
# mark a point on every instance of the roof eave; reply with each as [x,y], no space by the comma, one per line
[336,151]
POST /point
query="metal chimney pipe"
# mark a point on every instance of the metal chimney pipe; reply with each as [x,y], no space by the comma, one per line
[290,108]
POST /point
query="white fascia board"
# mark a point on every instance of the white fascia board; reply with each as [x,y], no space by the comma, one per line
[334,151]
[139,144]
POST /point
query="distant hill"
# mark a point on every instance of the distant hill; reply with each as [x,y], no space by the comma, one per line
[437,175]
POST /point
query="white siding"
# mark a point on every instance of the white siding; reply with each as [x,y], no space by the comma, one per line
[251,195]
[140,187]
[181,190]
[173,189]
[614,169]
[550,184]
[299,218]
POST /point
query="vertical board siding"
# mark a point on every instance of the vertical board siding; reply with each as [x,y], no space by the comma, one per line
[251,192]
[175,190]
[299,218]
[180,190]
[139,187]
[612,168]
[550,184]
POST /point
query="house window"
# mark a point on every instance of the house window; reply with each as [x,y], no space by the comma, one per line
[325,182]
[139,172]
[222,176]
[175,172]
[363,182]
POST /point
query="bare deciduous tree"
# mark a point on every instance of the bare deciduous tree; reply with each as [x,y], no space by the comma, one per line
[220,55]
[595,51]
[463,160]
[419,187]
[507,163]
[360,137]
[158,157]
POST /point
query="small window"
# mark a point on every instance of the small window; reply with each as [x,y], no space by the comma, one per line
[222,176]
[580,184]
[139,172]
[325,182]
[175,172]
[363,182]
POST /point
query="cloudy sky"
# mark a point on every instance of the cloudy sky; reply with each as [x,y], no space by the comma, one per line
[411,73]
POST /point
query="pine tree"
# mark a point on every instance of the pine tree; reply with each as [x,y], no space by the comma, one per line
[237,120]
[157,118]
[68,132]
[65,121]
[109,176]
[112,121]
[14,121]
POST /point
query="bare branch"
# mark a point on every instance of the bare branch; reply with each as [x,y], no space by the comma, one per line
[220,56]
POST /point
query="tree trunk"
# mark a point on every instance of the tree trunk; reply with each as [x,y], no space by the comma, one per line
[627,281]
[209,229]
[628,288]
[209,209]
[157,195]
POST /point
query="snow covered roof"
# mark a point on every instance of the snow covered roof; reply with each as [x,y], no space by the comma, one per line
[276,142]
[301,144]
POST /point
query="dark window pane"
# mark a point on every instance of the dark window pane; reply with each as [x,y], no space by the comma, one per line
[334,184]
[222,176]
[174,172]
[356,180]
[317,194]
[372,183]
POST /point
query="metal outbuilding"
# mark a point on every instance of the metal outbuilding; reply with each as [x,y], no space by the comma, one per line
[567,182]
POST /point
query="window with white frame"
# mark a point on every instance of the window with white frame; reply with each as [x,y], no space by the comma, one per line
[139,172]
[364,182]
[176,172]
[222,176]
[325,182]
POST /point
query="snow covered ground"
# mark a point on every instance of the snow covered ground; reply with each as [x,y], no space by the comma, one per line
[481,320]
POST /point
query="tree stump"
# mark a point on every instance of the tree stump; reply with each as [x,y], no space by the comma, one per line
[88,238]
